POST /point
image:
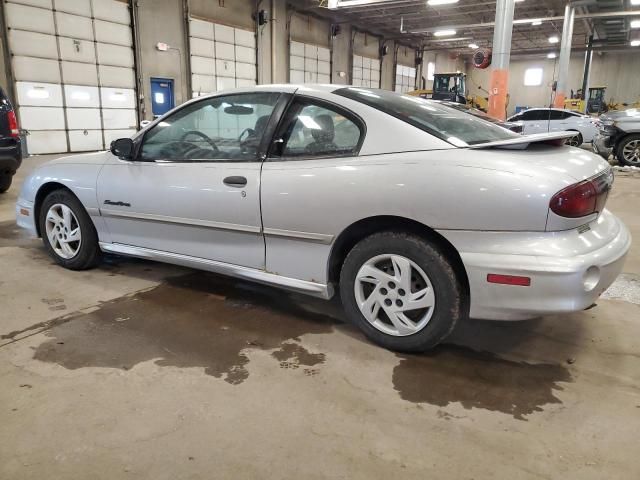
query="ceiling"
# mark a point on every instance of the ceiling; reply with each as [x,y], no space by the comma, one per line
[415,16]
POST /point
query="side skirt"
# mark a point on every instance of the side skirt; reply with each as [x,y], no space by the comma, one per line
[252,274]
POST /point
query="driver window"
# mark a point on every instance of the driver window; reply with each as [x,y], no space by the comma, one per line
[225,128]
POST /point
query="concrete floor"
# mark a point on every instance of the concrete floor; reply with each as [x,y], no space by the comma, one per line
[141,370]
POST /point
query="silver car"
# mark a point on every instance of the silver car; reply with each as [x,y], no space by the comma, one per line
[417,214]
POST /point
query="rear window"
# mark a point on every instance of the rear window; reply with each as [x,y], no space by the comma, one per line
[453,126]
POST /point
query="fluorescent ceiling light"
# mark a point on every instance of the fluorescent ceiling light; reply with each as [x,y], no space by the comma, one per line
[444,33]
[536,22]
[441,2]
[473,46]
[554,39]
[551,55]
[635,43]
[635,23]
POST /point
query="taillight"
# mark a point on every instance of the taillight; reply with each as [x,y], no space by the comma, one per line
[583,198]
[14,131]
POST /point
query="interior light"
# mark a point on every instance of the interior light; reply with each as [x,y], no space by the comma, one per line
[536,22]
[444,33]
[554,39]
[551,55]
[635,43]
[473,46]
[441,2]
[38,92]
[635,23]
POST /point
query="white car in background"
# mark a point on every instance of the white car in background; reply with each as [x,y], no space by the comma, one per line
[543,120]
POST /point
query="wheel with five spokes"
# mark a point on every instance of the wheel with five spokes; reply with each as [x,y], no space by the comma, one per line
[401,291]
[67,231]
[628,151]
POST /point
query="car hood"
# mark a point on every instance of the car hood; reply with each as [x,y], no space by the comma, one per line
[632,114]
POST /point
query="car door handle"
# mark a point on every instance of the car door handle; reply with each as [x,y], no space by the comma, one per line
[235,181]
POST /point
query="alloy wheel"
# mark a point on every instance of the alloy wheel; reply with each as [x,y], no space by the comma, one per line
[573,141]
[631,151]
[394,295]
[63,231]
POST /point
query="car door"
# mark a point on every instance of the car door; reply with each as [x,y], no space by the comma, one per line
[534,121]
[194,186]
[315,141]
[557,121]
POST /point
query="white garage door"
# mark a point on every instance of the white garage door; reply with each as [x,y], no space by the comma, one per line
[309,63]
[405,78]
[366,72]
[73,65]
[222,57]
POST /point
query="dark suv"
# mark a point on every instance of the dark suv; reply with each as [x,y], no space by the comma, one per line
[10,143]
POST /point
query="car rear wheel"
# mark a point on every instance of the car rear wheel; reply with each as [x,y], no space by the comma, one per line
[401,291]
[628,151]
[5,181]
[67,231]
[576,140]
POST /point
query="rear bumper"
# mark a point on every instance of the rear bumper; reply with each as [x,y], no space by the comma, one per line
[568,270]
[10,155]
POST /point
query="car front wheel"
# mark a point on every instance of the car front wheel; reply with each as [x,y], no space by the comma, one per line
[67,231]
[628,151]
[576,140]
[401,291]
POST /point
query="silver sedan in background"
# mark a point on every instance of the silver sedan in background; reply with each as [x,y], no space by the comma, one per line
[417,214]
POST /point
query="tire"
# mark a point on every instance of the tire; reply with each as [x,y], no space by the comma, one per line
[632,155]
[5,182]
[444,291]
[79,254]
[575,141]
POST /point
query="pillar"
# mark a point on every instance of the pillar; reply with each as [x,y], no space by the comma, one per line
[498,86]
[562,88]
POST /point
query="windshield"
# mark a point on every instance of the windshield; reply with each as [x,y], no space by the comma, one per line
[448,124]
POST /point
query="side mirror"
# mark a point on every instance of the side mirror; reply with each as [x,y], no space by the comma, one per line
[122,148]
[144,123]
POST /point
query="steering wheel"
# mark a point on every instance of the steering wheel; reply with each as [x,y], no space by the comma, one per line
[201,135]
[248,131]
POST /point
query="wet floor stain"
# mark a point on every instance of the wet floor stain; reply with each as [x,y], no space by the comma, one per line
[196,320]
[452,373]
[293,355]
[13,236]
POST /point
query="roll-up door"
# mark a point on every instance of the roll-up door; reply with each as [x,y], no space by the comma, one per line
[221,57]
[73,65]
[366,72]
[405,78]
[309,63]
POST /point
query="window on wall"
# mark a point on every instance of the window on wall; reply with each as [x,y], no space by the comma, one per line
[366,72]
[222,57]
[309,63]
[533,77]
[405,78]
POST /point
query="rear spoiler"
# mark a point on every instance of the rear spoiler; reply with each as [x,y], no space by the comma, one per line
[522,142]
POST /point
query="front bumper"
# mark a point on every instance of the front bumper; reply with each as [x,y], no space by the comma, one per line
[25,216]
[568,270]
[600,145]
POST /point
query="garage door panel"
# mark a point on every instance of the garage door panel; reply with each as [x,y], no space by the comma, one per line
[225,83]
[35,3]
[244,38]
[357,61]
[200,29]
[245,54]
[74,26]
[296,63]
[310,51]
[81,96]
[109,32]
[310,77]
[117,55]
[203,83]
[244,82]
[245,70]
[324,54]
[118,118]
[33,19]
[203,65]
[83,118]
[111,10]
[111,135]
[324,67]
[225,68]
[223,33]
[85,140]
[296,76]
[366,62]
[39,94]
[32,44]
[311,65]
[79,7]
[42,118]
[118,97]
[357,73]
[36,69]
[77,50]
[201,48]
[116,77]
[375,76]
[322,78]
[225,51]
[296,48]
[79,73]
[47,142]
